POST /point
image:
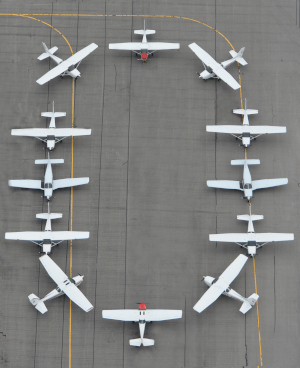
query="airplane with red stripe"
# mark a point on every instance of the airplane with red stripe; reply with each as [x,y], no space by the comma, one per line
[144,48]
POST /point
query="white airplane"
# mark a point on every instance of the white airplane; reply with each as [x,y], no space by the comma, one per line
[51,135]
[216,70]
[144,48]
[67,67]
[247,185]
[49,184]
[251,240]
[65,285]
[48,238]
[245,133]
[142,315]
[221,286]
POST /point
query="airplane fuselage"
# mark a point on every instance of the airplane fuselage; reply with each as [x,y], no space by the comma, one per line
[247,183]
[48,182]
[72,71]
[228,292]
[77,280]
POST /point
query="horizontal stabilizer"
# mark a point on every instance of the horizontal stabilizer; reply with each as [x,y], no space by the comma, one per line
[26,183]
[245,307]
[139,342]
[248,217]
[37,303]
[243,162]
[224,184]
[249,303]
[46,216]
[49,161]
[268,183]
[238,56]
[243,111]
[45,55]
[71,182]
[135,342]
[144,31]
[53,114]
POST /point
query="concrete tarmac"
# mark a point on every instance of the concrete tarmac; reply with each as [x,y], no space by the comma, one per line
[147,206]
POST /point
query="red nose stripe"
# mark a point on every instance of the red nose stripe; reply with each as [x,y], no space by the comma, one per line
[144,56]
[142,306]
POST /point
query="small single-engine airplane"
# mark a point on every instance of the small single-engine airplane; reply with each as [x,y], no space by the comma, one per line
[245,133]
[65,285]
[48,238]
[216,70]
[251,240]
[144,48]
[247,185]
[51,135]
[49,184]
[67,67]
[142,315]
[221,286]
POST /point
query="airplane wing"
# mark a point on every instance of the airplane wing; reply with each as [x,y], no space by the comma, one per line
[216,67]
[226,77]
[132,46]
[26,235]
[246,237]
[224,184]
[29,184]
[268,183]
[122,314]
[211,295]
[240,129]
[55,272]
[222,284]
[71,182]
[153,315]
[163,46]
[68,235]
[57,132]
[61,279]
[63,66]
[77,297]
[234,269]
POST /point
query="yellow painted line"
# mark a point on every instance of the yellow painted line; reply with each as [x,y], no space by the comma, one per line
[32,16]
[257,309]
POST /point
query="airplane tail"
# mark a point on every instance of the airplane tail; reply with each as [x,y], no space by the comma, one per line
[243,162]
[46,216]
[238,56]
[249,303]
[48,160]
[139,342]
[250,217]
[47,52]
[145,31]
[37,303]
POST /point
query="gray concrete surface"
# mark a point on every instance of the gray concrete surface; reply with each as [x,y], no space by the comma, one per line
[147,206]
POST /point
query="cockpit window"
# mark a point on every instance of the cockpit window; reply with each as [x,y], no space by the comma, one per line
[48,185]
[248,186]
[72,67]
